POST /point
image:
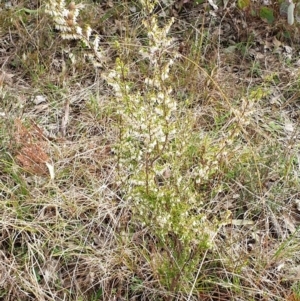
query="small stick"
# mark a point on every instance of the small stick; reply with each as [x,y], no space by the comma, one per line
[65,119]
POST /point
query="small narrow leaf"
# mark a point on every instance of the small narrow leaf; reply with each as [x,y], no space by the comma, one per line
[266,13]
[51,170]
[243,4]
[290,13]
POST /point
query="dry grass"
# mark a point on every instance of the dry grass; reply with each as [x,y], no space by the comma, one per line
[78,236]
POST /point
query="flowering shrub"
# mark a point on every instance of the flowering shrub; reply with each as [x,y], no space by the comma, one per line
[154,138]
[65,20]
[162,162]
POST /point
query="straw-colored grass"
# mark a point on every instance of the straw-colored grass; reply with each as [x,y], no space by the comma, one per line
[148,152]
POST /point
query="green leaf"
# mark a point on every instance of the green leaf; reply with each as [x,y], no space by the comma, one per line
[266,13]
[243,4]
